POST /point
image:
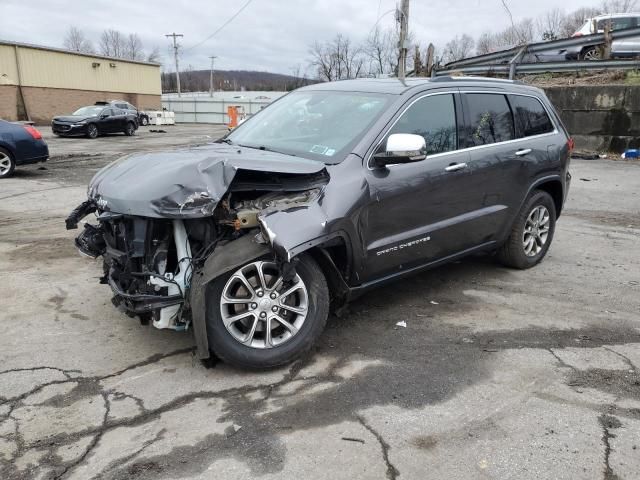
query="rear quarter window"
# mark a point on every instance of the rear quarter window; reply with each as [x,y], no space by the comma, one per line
[489,119]
[530,116]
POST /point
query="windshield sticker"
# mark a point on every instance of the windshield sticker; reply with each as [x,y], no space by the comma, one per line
[319,149]
[330,152]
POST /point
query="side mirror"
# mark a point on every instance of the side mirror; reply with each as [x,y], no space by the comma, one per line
[104,115]
[402,148]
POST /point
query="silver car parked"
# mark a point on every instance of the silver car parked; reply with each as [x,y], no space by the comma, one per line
[625,47]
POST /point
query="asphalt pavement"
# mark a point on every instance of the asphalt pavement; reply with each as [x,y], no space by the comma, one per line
[498,373]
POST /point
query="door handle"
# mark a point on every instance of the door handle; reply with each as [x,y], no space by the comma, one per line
[455,167]
[523,151]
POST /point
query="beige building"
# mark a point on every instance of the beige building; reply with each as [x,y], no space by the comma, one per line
[38,83]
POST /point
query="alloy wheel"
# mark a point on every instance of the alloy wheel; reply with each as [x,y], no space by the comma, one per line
[5,164]
[592,54]
[536,231]
[262,310]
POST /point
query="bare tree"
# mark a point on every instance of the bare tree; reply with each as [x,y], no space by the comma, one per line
[549,24]
[75,40]
[154,56]
[381,50]
[337,59]
[133,48]
[112,44]
[458,48]
[618,6]
[574,20]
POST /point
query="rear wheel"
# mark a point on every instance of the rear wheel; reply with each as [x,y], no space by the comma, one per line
[145,121]
[92,131]
[531,233]
[258,319]
[591,53]
[7,163]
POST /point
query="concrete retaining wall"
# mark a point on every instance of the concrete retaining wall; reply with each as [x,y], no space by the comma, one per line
[600,117]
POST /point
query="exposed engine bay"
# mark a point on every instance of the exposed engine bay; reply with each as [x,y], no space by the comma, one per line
[149,263]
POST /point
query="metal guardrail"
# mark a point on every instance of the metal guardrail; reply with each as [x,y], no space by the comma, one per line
[544,67]
[506,55]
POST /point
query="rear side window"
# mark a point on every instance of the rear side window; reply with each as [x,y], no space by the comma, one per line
[433,118]
[531,117]
[490,119]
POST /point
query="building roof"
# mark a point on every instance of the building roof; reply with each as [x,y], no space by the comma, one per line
[72,52]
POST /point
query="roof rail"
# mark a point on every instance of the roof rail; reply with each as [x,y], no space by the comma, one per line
[452,78]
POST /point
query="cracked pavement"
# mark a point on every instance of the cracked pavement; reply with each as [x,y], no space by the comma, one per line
[507,374]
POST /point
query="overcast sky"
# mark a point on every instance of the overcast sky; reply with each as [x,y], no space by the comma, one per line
[271,35]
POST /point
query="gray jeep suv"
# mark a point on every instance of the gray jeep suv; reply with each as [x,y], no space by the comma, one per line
[331,190]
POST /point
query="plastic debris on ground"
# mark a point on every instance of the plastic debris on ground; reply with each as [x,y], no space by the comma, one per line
[402,324]
[631,153]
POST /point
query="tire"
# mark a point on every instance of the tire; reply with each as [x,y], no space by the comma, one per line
[92,131]
[225,342]
[590,53]
[144,121]
[7,163]
[519,251]
[130,129]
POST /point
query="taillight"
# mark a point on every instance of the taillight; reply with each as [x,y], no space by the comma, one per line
[571,144]
[33,132]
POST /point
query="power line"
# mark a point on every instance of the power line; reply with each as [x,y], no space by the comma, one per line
[221,27]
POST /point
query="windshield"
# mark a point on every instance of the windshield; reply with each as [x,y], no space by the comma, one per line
[312,124]
[89,111]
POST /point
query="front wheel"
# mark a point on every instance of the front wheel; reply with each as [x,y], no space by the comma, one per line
[258,319]
[92,131]
[144,121]
[531,233]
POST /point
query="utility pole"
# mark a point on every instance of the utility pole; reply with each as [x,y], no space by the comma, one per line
[175,55]
[212,57]
[402,17]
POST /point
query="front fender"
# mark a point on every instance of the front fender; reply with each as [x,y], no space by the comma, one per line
[224,259]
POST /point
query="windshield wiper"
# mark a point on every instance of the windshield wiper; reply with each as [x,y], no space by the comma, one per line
[269,149]
[228,141]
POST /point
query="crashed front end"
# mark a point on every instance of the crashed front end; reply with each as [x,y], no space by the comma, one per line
[158,220]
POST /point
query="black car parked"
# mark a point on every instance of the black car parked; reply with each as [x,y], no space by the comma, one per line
[95,120]
[329,191]
[20,145]
[141,116]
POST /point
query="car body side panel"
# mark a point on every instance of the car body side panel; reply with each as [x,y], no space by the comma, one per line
[24,148]
[336,213]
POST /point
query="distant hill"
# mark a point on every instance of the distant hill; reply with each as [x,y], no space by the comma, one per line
[235,80]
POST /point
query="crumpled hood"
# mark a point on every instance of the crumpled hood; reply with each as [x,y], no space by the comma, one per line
[186,183]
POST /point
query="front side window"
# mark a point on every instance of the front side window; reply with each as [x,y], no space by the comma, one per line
[490,119]
[531,117]
[434,118]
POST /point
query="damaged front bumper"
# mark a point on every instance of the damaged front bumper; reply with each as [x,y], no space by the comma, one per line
[147,263]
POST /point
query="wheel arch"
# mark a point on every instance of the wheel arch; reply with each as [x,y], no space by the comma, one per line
[9,148]
[554,188]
